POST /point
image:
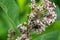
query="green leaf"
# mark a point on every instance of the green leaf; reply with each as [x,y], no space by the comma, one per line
[3,7]
[9,17]
[49,36]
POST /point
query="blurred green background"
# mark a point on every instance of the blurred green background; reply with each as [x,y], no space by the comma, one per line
[13,12]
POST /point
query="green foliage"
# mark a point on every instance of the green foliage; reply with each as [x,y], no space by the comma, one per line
[49,36]
[13,12]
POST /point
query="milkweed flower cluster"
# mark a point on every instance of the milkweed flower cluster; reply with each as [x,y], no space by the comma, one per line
[24,33]
[11,33]
[40,17]
[51,16]
[34,20]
